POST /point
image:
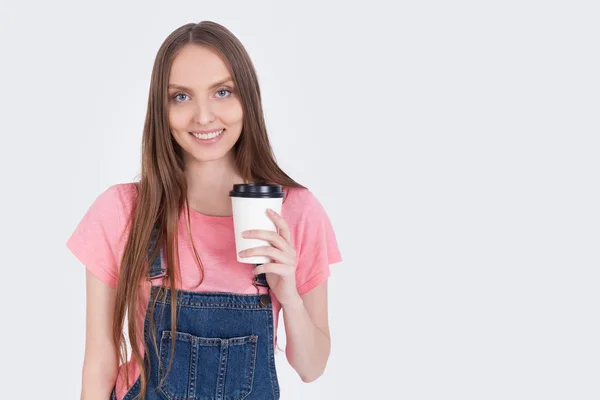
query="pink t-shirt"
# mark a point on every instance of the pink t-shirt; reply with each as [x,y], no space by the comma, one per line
[100,238]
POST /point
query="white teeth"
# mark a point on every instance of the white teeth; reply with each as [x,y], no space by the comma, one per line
[207,136]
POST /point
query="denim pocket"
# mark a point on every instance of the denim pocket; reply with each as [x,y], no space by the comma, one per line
[207,368]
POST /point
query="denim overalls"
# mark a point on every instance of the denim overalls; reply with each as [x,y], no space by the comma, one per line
[224,347]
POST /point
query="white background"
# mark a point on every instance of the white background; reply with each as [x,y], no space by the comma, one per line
[454,145]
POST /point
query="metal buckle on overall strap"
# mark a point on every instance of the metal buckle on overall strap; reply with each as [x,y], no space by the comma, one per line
[261,281]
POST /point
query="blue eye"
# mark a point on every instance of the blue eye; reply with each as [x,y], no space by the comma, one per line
[223,90]
[221,94]
[176,95]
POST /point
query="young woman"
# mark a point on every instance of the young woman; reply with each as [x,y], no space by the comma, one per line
[160,252]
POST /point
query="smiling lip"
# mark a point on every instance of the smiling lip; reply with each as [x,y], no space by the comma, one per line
[208,141]
[207,131]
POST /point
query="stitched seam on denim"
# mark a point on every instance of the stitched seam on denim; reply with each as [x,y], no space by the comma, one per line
[249,307]
[252,299]
[202,294]
[204,341]
[138,381]
[133,388]
[155,267]
[220,395]
[163,389]
[192,369]
[146,341]
[251,375]
[241,299]
[272,370]
[161,367]
[167,395]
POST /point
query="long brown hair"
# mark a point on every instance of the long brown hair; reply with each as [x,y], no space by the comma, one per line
[162,188]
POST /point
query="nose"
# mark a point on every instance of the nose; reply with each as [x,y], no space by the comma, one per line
[204,114]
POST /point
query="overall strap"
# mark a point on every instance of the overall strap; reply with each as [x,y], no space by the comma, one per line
[260,280]
[155,269]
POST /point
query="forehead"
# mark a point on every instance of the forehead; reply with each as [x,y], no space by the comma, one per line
[197,66]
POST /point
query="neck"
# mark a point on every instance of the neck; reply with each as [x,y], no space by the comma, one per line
[209,183]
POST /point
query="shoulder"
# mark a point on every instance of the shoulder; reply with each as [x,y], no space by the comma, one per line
[98,241]
[300,203]
[110,211]
[305,214]
[117,199]
[120,193]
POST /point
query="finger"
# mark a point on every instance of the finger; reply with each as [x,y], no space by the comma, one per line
[272,237]
[281,225]
[277,269]
[268,251]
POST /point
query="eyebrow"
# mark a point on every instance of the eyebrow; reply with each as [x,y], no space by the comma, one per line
[214,85]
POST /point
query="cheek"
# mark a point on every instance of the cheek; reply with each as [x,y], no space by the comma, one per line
[233,114]
[177,119]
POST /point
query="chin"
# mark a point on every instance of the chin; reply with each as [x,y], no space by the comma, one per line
[208,156]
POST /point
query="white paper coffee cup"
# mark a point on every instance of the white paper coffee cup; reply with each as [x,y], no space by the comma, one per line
[250,203]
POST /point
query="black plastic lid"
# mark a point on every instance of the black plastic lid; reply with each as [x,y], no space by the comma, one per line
[257,191]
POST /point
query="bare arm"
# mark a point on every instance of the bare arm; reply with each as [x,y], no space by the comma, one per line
[305,317]
[307,333]
[100,365]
